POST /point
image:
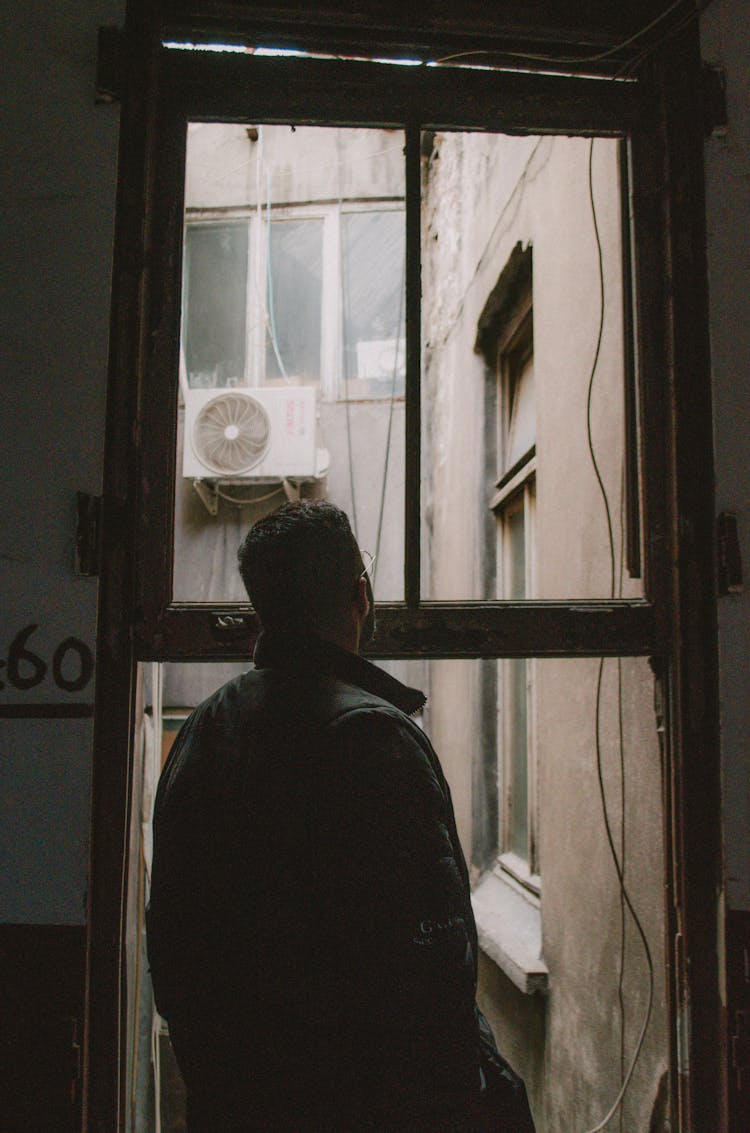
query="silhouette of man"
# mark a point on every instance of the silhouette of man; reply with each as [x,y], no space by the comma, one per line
[310,931]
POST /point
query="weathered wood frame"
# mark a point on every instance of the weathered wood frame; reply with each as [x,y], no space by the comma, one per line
[661,117]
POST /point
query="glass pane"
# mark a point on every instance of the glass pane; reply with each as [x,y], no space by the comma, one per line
[509,239]
[373,270]
[214,305]
[295,275]
[515,537]
[292,342]
[522,427]
[518,754]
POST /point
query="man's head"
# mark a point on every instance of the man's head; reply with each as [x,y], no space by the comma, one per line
[303,570]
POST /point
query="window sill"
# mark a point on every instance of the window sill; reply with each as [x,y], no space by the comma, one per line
[509,925]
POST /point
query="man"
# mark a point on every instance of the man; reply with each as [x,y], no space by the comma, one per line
[310,931]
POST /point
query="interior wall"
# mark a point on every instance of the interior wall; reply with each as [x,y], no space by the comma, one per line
[57,186]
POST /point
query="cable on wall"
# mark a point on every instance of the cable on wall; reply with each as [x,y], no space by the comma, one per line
[617,861]
[269,275]
[394,375]
[621,750]
[344,296]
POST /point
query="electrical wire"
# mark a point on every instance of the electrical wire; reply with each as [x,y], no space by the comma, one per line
[694,14]
[594,366]
[618,863]
[269,276]
[621,750]
[394,375]
[248,503]
[541,57]
[344,297]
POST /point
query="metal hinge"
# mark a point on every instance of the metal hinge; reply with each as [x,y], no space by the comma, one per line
[88,534]
[110,69]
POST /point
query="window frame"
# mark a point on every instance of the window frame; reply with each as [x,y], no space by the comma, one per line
[661,117]
[236,88]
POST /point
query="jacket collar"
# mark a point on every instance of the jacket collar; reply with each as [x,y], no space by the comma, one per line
[310,654]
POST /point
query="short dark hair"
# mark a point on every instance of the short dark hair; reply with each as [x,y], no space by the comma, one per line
[299,564]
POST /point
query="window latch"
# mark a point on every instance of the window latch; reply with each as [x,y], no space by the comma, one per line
[233,628]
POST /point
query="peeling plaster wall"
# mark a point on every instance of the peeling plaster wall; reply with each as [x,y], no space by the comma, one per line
[481,197]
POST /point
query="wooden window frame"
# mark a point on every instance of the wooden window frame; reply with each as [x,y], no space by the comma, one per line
[199,86]
[660,116]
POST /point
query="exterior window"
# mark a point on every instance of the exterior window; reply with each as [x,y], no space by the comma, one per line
[295,277]
[328,309]
[372,300]
[214,304]
[513,505]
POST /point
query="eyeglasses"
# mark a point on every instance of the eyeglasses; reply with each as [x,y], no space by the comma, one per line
[369,564]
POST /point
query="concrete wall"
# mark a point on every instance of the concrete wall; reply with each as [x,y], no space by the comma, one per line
[482,195]
[290,165]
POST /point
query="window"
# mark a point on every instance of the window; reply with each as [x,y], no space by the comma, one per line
[506,339]
[294,271]
[379,462]
[293,274]
[513,506]
[214,304]
[141,616]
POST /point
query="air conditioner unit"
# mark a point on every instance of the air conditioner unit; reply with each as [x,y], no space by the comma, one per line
[250,434]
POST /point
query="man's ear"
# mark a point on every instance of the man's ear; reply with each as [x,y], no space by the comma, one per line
[362,598]
[367,623]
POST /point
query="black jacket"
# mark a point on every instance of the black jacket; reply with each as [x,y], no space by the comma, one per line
[310,931]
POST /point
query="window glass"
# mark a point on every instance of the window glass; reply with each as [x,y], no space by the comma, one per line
[507,229]
[514,535]
[373,301]
[517,757]
[216,263]
[522,427]
[292,347]
[295,277]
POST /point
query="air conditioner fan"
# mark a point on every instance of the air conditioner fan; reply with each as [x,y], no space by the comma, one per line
[231,433]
